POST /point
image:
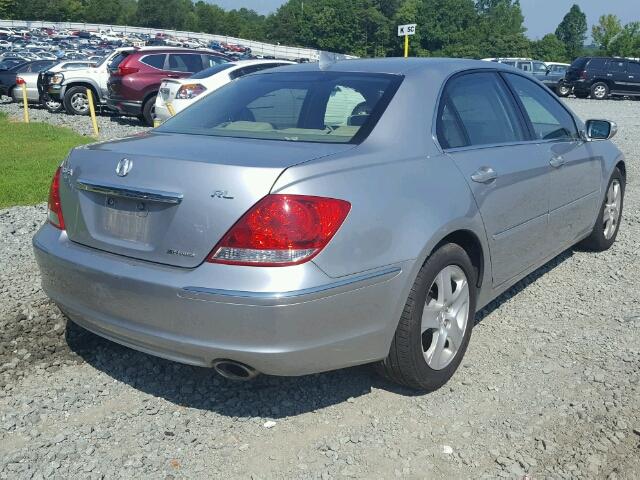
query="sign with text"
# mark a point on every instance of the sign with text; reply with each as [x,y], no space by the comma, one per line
[407,29]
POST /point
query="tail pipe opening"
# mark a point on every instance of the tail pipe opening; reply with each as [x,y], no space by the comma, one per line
[235,370]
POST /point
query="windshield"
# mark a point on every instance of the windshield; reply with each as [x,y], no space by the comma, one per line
[328,107]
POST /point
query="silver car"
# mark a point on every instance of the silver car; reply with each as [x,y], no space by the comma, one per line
[309,218]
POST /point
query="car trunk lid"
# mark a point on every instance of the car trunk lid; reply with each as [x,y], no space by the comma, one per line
[168,90]
[170,198]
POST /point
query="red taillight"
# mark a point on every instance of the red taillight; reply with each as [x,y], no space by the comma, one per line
[55,209]
[124,70]
[20,81]
[281,230]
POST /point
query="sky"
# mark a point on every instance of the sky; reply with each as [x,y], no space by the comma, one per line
[541,16]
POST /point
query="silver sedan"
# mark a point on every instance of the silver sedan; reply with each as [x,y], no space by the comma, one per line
[309,218]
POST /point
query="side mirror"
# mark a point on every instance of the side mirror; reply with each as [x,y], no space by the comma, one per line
[600,130]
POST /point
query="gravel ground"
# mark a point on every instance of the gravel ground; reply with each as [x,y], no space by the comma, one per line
[549,388]
[110,125]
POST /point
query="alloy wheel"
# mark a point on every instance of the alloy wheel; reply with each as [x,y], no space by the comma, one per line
[611,215]
[80,102]
[444,318]
[599,91]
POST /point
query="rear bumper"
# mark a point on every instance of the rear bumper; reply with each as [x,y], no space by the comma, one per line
[162,111]
[125,107]
[312,323]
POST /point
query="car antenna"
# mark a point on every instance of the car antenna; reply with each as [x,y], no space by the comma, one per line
[329,58]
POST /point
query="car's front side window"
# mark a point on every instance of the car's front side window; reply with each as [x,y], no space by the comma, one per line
[549,119]
[486,115]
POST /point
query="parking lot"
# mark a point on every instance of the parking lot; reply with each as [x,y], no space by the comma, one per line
[550,386]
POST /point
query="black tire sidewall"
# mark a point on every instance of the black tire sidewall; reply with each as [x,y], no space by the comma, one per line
[450,254]
[146,110]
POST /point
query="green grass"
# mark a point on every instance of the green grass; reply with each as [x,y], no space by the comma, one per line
[29,155]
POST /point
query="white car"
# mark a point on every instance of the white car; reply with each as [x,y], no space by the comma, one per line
[181,93]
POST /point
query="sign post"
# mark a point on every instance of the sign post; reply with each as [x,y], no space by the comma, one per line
[405,31]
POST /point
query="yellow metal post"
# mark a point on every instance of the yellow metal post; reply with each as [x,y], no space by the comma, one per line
[172,111]
[406,46]
[92,110]
[25,102]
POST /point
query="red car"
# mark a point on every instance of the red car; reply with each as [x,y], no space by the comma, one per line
[136,74]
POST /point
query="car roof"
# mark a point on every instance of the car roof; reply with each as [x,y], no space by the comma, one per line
[396,65]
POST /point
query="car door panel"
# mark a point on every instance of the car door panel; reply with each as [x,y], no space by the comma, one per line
[575,176]
[574,191]
[483,132]
[514,207]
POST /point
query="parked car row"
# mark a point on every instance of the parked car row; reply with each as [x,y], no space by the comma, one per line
[132,81]
[594,77]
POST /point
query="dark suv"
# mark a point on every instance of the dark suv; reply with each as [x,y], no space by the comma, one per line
[604,76]
[135,76]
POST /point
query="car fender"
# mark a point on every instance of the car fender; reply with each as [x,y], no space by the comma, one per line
[81,81]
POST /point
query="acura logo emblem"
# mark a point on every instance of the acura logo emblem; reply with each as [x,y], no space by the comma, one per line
[124,167]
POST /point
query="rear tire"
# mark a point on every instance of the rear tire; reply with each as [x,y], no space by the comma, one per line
[599,91]
[431,339]
[563,90]
[605,231]
[53,106]
[76,101]
[148,110]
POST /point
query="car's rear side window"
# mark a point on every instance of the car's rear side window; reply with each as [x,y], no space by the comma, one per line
[597,63]
[549,119]
[185,62]
[155,61]
[478,107]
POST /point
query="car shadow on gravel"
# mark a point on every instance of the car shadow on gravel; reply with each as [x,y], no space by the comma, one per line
[524,283]
[266,396]
[203,388]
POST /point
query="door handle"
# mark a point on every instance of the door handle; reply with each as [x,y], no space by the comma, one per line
[484,175]
[557,162]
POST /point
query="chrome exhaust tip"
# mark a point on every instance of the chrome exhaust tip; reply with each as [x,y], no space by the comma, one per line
[235,370]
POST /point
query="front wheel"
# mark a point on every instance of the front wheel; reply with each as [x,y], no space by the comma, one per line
[605,231]
[76,101]
[435,327]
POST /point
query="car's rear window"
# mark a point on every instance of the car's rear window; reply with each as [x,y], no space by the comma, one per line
[208,72]
[117,60]
[327,107]
[579,63]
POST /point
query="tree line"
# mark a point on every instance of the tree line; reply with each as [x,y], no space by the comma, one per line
[452,28]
